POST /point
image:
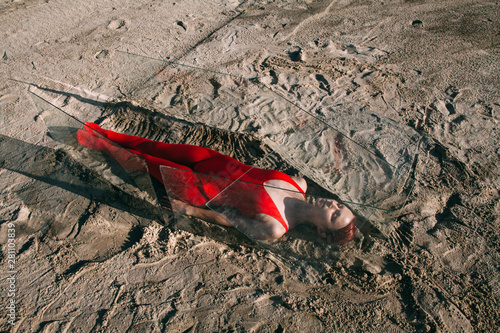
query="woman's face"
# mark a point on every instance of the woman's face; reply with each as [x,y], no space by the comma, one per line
[337,215]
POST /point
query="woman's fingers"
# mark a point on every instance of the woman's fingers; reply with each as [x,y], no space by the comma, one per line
[165,203]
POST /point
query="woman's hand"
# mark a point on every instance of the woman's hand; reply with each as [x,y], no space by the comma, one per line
[181,207]
[176,206]
[264,227]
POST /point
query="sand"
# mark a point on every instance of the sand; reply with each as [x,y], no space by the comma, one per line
[90,257]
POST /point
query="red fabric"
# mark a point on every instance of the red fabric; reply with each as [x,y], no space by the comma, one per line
[213,173]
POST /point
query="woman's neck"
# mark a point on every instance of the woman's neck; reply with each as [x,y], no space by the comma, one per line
[298,212]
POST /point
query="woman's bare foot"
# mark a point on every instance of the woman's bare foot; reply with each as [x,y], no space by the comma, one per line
[124,157]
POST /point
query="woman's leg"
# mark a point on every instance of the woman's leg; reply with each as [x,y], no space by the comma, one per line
[183,154]
[125,157]
[178,179]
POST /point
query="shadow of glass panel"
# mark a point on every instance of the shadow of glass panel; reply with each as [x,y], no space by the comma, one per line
[123,169]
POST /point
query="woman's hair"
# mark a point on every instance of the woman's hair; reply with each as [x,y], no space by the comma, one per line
[344,235]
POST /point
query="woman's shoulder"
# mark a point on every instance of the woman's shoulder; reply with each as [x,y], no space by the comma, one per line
[285,185]
[301,182]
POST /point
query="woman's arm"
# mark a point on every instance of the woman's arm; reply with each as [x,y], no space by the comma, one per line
[265,227]
[201,213]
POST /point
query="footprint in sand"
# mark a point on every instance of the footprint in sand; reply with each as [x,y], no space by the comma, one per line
[116,24]
[182,25]
[323,83]
[297,55]
[417,23]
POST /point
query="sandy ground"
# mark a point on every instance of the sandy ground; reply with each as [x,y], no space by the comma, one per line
[88,259]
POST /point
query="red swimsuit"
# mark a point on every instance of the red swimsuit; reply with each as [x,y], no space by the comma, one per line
[213,176]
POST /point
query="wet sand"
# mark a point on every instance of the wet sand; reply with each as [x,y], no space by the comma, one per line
[92,258]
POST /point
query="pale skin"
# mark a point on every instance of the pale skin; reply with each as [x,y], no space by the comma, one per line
[326,215]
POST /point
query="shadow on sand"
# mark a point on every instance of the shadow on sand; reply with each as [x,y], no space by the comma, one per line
[56,168]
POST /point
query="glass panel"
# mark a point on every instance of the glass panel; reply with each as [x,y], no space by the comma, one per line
[362,158]
[122,169]
[358,158]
